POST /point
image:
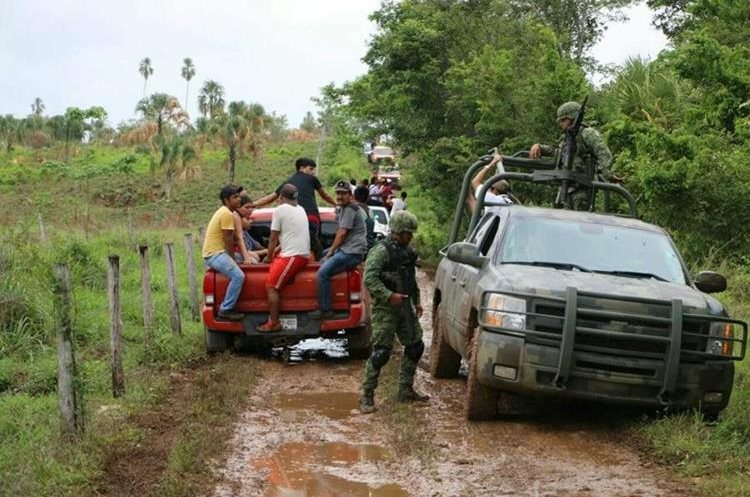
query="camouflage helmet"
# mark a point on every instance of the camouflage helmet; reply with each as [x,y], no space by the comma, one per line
[568,110]
[403,221]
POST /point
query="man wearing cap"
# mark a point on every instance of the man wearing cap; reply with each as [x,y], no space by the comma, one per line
[347,250]
[289,231]
[593,157]
[307,184]
[218,250]
[497,195]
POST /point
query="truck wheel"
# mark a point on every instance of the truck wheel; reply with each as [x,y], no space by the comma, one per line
[444,361]
[481,401]
[359,343]
[217,341]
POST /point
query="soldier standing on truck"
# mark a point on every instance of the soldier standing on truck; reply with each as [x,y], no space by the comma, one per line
[390,277]
[307,184]
[593,157]
[218,250]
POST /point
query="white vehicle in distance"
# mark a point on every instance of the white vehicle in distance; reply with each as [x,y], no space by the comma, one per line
[381,217]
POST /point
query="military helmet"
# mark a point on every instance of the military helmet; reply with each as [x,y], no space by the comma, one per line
[569,110]
[403,221]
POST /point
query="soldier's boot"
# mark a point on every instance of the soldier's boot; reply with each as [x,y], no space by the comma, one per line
[408,394]
[367,403]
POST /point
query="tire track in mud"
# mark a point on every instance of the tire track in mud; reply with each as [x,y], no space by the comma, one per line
[303,437]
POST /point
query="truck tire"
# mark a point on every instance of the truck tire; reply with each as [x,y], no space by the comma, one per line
[218,342]
[481,401]
[360,343]
[444,361]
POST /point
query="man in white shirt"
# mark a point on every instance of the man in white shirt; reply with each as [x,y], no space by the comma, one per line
[289,230]
[497,195]
[399,204]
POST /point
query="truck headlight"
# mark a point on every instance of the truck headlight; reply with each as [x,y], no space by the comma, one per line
[502,311]
[720,340]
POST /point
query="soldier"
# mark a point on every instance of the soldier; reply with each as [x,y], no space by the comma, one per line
[593,157]
[390,276]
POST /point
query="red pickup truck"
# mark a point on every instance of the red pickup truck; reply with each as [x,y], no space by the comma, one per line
[351,304]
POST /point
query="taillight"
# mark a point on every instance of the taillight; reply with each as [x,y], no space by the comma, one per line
[355,286]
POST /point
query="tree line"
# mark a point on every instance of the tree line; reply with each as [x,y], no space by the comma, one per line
[447,80]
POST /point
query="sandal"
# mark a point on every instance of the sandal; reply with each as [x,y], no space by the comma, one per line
[268,327]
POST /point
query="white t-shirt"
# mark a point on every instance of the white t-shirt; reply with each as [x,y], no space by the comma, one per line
[397,205]
[492,198]
[294,236]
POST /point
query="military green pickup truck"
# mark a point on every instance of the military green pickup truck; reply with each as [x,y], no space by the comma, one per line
[548,302]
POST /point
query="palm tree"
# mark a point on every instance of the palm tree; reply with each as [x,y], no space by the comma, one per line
[146,70]
[211,99]
[38,107]
[188,71]
[163,108]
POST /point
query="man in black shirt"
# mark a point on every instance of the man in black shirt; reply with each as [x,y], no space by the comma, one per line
[307,184]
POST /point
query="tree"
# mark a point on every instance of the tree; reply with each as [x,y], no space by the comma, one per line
[578,24]
[211,99]
[8,130]
[163,109]
[670,15]
[74,121]
[309,123]
[146,70]
[37,107]
[188,71]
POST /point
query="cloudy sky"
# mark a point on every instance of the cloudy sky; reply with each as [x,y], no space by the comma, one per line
[278,52]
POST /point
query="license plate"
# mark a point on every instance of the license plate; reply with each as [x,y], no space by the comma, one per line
[288,322]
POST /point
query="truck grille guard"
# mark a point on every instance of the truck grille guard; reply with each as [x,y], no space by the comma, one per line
[659,331]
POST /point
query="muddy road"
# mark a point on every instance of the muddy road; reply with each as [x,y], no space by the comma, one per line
[304,437]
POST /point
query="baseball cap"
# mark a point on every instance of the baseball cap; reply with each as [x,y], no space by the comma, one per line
[229,190]
[343,186]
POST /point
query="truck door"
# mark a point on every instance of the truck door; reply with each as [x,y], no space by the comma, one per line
[467,276]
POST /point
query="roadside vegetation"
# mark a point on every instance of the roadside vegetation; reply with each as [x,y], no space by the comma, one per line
[445,82]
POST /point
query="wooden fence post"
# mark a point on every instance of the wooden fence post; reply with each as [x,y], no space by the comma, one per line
[192,278]
[42,230]
[115,326]
[174,306]
[131,229]
[148,302]
[69,400]
[201,236]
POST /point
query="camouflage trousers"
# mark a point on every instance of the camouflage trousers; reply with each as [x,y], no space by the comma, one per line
[579,200]
[387,324]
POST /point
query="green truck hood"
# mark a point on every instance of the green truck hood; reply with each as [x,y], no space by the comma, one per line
[553,282]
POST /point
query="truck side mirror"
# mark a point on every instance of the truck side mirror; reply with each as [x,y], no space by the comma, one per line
[465,253]
[710,282]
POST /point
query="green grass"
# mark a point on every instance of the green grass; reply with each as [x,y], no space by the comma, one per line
[89,208]
[716,457]
[106,201]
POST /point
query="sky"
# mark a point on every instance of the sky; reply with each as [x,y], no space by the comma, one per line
[278,53]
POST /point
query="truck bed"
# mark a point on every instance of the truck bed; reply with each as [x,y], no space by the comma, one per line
[297,300]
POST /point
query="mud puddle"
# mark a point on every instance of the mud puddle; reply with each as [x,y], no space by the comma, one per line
[304,437]
[307,469]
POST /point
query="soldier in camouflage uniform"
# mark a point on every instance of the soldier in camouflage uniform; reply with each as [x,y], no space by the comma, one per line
[593,157]
[390,277]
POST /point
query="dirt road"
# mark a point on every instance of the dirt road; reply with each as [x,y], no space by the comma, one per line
[303,437]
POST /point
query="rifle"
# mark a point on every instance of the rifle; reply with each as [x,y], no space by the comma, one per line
[567,155]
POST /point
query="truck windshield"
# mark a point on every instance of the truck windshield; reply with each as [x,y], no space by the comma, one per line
[581,246]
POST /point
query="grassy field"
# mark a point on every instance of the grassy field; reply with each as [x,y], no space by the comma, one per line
[108,200]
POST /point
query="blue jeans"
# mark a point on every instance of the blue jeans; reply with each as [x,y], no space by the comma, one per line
[337,263]
[225,265]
